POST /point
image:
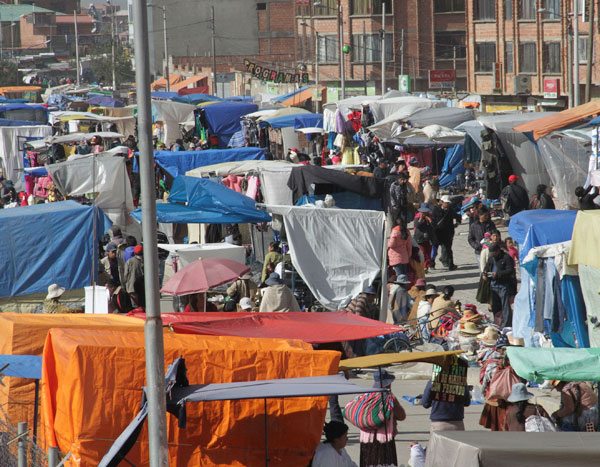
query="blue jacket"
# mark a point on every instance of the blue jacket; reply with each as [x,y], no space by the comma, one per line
[444,411]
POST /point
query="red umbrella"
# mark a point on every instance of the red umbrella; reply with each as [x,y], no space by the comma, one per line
[203,274]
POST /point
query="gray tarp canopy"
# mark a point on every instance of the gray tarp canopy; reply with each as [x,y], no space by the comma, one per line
[271,388]
[508,449]
[449,117]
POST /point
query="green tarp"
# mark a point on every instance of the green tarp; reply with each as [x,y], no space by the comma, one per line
[535,364]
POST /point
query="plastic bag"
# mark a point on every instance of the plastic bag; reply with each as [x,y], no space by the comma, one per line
[539,424]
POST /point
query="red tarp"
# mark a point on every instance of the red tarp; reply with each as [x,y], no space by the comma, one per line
[314,328]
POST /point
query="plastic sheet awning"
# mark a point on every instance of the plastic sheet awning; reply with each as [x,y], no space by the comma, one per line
[311,386]
[223,118]
[21,366]
[540,227]
[180,162]
[449,117]
[297,121]
[539,364]
[202,201]
[387,359]
[314,328]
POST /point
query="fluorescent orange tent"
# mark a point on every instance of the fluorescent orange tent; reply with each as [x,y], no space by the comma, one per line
[25,334]
[555,121]
[92,384]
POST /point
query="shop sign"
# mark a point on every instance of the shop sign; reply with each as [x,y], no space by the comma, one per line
[266,74]
[439,79]
[551,88]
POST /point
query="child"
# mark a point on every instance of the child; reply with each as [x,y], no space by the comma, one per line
[511,249]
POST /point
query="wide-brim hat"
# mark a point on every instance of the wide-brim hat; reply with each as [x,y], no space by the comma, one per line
[274,279]
[489,336]
[402,279]
[470,328]
[383,378]
[516,341]
[445,199]
[54,291]
[519,393]
[470,316]
[370,290]
[424,208]
[431,292]
[420,282]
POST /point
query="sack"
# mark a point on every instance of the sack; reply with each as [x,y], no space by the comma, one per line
[366,411]
[484,291]
[539,424]
[502,383]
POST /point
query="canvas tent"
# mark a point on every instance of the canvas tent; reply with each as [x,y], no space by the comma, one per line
[223,118]
[93,390]
[53,243]
[449,117]
[180,162]
[202,201]
[236,168]
[171,114]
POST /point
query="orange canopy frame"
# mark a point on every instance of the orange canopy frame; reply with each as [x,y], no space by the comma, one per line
[196,81]
[555,121]
[161,83]
[92,388]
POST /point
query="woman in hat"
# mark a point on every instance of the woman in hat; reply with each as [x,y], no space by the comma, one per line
[519,408]
[377,447]
[331,452]
[399,301]
[424,311]
[578,406]
[424,233]
[441,305]
[242,287]
[399,248]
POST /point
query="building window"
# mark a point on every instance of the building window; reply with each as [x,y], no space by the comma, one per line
[583,49]
[509,57]
[372,47]
[326,8]
[551,10]
[328,49]
[527,9]
[449,6]
[485,57]
[370,7]
[551,57]
[527,58]
[508,10]
[447,42]
[484,9]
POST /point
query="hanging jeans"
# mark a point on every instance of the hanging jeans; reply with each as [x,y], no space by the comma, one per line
[501,305]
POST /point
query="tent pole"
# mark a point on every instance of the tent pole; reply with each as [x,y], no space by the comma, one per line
[266,435]
[383,405]
[383,300]
[36,400]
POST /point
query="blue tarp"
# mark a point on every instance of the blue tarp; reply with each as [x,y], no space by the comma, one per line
[539,227]
[164,95]
[4,100]
[21,366]
[206,202]
[11,107]
[453,165]
[46,244]
[105,101]
[240,98]
[223,118]
[179,162]
[195,99]
[8,122]
[289,94]
[297,121]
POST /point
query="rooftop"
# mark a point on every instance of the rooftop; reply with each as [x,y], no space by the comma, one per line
[10,13]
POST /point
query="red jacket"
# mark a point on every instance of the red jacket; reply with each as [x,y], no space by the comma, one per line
[399,250]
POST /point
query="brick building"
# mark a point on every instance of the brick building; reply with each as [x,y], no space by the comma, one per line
[420,35]
[515,46]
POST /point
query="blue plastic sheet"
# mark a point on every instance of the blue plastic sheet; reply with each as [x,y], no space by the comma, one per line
[541,227]
[195,99]
[223,118]
[179,162]
[284,97]
[202,201]
[453,165]
[105,101]
[297,121]
[572,298]
[21,366]
[164,95]
[46,244]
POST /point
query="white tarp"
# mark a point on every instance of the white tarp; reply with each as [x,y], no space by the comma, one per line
[104,174]
[338,252]
[237,168]
[11,156]
[401,106]
[189,253]
[434,133]
[172,114]
[274,187]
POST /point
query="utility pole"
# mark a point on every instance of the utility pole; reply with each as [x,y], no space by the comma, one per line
[113,47]
[318,102]
[77,65]
[454,66]
[382,48]
[342,64]
[570,62]
[575,53]
[364,55]
[1,40]
[153,326]
[402,54]
[167,76]
[590,50]
[214,50]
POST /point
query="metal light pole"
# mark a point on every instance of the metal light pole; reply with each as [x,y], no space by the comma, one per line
[382,48]
[153,328]
[113,50]
[77,66]
[214,51]
[590,51]
[167,76]
[575,53]
[342,64]
[317,69]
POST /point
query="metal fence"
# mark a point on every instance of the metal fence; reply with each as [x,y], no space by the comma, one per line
[17,446]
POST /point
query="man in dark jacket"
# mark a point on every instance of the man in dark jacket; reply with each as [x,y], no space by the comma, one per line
[478,228]
[445,416]
[444,217]
[500,270]
[401,200]
[515,196]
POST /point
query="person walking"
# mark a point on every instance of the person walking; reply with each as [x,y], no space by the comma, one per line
[377,447]
[402,198]
[500,271]
[445,416]
[134,277]
[424,234]
[399,248]
[478,229]
[445,220]
[541,199]
[515,197]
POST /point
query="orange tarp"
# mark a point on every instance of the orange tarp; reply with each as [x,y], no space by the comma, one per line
[555,121]
[161,83]
[186,82]
[25,334]
[92,384]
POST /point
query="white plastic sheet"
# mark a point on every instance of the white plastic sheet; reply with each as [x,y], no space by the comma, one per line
[172,114]
[338,252]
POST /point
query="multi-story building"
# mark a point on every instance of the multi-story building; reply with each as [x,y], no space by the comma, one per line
[519,52]
[420,35]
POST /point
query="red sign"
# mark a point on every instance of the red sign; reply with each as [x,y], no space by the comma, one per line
[551,88]
[498,76]
[439,79]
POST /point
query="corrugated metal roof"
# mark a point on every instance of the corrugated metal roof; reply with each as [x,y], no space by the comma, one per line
[10,13]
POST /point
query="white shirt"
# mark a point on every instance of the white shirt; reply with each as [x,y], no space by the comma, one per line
[327,456]
[423,309]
